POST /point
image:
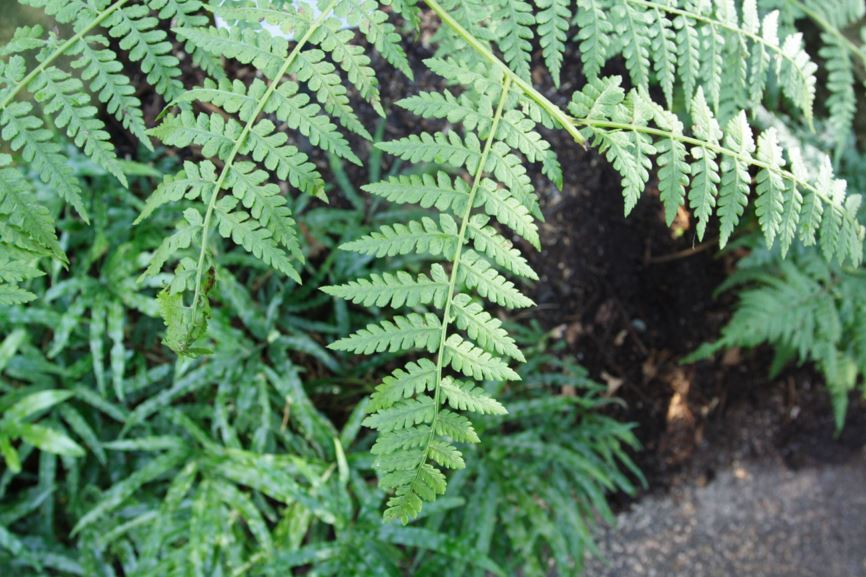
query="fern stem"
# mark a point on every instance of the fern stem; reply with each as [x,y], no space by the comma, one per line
[592,123]
[230,159]
[827,27]
[553,110]
[452,283]
[59,51]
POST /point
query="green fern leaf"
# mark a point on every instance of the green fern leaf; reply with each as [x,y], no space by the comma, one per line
[479,275]
[413,331]
[421,237]
[769,205]
[553,19]
[426,190]
[515,34]
[594,35]
[26,133]
[396,290]
[414,379]
[704,167]
[736,180]
[462,396]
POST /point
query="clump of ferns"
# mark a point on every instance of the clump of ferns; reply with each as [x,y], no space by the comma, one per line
[245,144]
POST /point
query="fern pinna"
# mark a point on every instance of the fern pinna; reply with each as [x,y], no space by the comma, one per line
[67,77]
[246,152]
[417,408]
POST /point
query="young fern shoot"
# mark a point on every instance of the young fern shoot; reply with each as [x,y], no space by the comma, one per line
[416,408]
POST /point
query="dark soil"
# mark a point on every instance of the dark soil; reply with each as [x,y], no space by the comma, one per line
[631,297]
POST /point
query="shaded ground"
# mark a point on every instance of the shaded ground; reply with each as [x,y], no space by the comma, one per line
[756,520]
[745,475]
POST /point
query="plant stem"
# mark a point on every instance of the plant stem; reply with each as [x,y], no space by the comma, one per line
[553,110]
[59,51]
[205,233]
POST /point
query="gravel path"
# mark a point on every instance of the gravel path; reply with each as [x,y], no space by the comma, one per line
[754,520]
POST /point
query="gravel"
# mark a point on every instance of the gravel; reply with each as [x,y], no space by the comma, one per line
[753,520]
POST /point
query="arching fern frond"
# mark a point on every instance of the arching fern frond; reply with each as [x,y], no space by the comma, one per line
[417,409]
[234,188]
[713,169]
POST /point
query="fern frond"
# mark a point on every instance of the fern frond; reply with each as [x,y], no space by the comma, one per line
[248,146]
[417,434]
[788,203]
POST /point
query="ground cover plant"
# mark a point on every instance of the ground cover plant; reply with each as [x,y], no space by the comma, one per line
[201,230]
